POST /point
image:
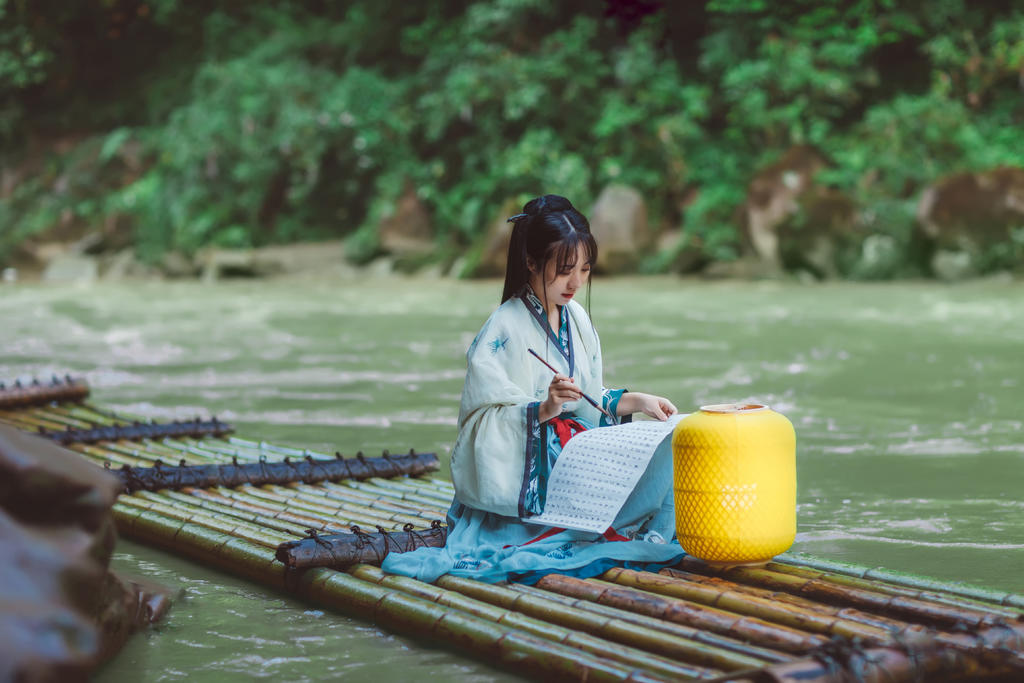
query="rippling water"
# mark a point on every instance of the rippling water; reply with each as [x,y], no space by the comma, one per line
[906,398]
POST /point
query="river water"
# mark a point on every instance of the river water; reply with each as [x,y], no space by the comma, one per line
[907,401]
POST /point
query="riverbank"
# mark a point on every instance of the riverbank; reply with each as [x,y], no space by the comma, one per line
[77,263]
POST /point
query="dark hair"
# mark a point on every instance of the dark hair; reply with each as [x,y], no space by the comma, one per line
[549,227]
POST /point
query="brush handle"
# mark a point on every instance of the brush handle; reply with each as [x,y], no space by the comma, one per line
[587,398]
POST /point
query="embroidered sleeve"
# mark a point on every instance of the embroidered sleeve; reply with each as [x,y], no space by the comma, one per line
[610,402]
[537,467]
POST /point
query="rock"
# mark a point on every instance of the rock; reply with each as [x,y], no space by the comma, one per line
[953,265]
[64,613]
[880,256]
[619,224]
[175,264]
[679,253]
[380,268]
[45,252]
[772,199]
[433,271]
[216,264]
[825,222]
[491,248]
[301,259]
[120,265]
[74,268]
[407,230]
[748,268]
[974,214]
[313,258]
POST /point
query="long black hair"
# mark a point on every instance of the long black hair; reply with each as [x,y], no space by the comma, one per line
[549,227]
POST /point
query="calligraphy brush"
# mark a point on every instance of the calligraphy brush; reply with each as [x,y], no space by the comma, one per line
[587,398]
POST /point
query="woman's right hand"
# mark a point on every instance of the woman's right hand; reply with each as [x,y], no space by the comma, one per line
[561,390]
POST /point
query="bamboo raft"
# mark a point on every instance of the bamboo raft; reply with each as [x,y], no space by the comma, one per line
[794,619]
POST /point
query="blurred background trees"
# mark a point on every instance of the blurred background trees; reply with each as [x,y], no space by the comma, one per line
[169,125]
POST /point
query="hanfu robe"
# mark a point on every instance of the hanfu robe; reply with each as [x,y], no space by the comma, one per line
[503,456]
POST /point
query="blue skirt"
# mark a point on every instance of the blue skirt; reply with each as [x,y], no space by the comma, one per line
[493,548]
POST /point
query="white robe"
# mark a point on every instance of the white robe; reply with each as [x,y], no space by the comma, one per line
[504,385]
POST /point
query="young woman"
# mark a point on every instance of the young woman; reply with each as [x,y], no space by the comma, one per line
[515,417]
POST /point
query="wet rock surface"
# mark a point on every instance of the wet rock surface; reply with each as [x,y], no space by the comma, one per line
[619,224]
[972,223]
[63,612]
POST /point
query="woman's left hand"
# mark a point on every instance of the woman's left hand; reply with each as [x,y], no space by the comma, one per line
[653,406]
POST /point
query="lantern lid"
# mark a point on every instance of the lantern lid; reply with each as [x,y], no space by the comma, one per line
[734,408]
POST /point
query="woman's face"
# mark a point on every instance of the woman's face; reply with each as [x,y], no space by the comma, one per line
[558,287]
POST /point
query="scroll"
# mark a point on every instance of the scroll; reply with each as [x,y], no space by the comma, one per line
[596,472]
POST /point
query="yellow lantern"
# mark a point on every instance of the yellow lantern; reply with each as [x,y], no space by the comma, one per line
[735,483]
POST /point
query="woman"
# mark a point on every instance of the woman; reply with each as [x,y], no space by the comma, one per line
[515,418]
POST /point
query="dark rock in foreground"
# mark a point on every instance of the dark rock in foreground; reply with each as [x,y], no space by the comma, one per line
[63,612]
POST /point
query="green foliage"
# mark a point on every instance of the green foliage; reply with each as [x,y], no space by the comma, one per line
[268,122]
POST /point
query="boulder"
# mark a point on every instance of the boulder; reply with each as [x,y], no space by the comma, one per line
[491,247]
[974,215]
[825,222]
[676,252]
[743,268]
[64,612]
[175,264]
[619,224]
[69,267]
[120,265]
[216,264]
[407,229]
[305,258]
[772,198]
[301,258]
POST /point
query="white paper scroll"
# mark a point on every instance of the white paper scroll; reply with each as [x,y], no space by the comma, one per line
[597,471]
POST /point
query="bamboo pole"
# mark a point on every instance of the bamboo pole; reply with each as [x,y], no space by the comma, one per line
[994,643]
[39,419]
[316,494]
[659,625]
[746,604]
[583,642]
[742,627]
[379,492]
[201,518]
[245,498]
[331,512]
[402,613]
[235,499]
[543,607]
[890,589]
[412,486]
[873,665]
[835,594]
[336,491]
[206,506]
[28,422]
[904,579]
[855,615]
[495,642]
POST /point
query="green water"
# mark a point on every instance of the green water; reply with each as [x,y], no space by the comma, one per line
[906,398]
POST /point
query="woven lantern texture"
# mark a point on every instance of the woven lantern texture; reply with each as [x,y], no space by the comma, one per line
[735,483]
